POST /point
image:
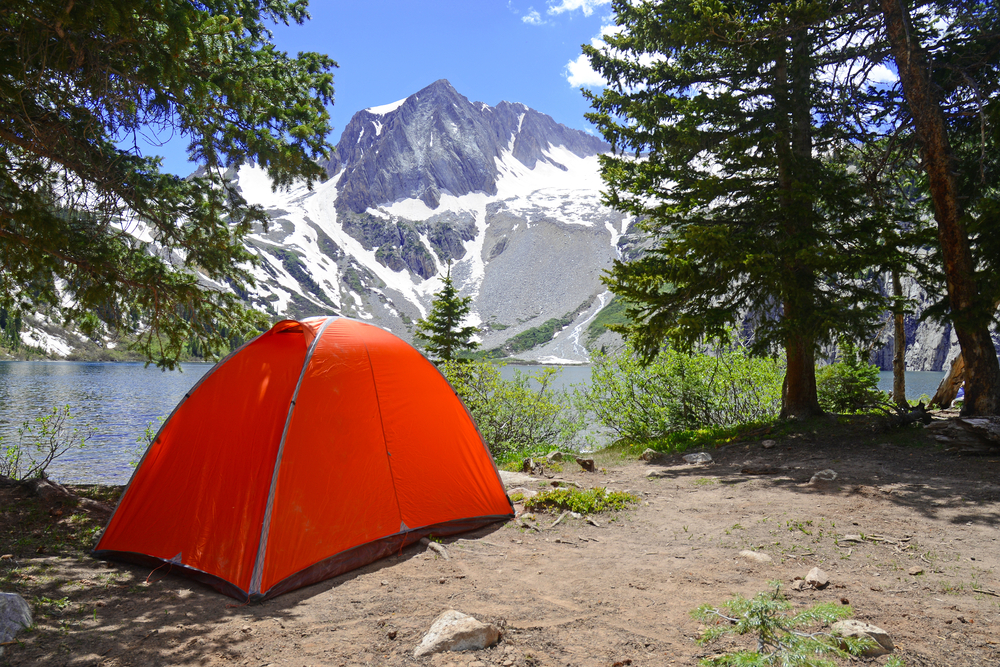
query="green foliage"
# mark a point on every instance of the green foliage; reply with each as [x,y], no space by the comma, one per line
[536,336]
[780,636]
[519,417]
[589,501]
[850,385]
[39,443]
[679,392]
[89,227]
[441,333]
[611,316]
[740,187]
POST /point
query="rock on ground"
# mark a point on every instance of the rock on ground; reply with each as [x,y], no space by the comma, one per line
[855,628]
[755,556]
[817,578]
[455,631]
[15,615]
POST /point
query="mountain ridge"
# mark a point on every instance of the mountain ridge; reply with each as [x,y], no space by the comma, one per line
[508,196]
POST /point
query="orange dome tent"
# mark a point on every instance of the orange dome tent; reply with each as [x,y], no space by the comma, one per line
[316,448]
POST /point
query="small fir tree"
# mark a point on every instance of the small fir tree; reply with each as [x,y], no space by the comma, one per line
[441,333]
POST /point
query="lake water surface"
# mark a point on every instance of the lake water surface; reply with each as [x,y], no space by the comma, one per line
[118,400]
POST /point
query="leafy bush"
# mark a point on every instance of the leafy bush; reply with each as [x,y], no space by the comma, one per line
[39,443]
[678,392]
[780,639]
[518,417]
[850,385]
[583,501]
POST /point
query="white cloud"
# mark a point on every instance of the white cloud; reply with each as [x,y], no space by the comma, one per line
[587,6]
[532,17]
[579,72]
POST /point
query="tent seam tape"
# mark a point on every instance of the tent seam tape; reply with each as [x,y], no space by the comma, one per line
[385,441]
[258,566]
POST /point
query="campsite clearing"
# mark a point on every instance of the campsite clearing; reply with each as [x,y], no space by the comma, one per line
[907,535]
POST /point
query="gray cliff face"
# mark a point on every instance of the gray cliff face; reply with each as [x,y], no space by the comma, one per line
[438,142]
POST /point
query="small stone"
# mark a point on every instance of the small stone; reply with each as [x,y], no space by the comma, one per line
[385,582]
[823,477]
[650,455]
[769,444]
[854,628]
[798,585]
[756,556]
[391,634]
[554,456]
[698,457]
[441,580]
[853,538]
[916,570]
[455,631]
[817,578]
[586,464]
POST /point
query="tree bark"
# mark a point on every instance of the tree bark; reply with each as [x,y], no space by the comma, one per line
[982,370]
[798,393]
[948,389]
[898,347]
[794,154]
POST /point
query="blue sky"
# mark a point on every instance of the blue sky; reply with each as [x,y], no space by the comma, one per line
[490,50]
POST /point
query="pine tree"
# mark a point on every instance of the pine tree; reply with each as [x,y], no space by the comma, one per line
[441,331]
[959,73]
[89,227]
[727,143]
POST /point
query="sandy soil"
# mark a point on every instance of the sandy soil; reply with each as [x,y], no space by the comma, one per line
[615,594]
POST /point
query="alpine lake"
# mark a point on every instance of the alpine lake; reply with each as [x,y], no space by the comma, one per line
[115,403]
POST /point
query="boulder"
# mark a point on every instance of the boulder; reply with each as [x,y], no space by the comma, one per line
[455,631]
[586,464]
[15,615]
[554,456]
[854,628]
[698,457]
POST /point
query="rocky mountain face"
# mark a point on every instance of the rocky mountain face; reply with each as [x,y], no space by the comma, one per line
[504,193]
[437,141]
[507,195]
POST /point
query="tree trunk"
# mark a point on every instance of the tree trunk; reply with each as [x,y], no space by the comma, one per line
[798,393]
[982,372]
[948,389]
[898,347]
[794,154]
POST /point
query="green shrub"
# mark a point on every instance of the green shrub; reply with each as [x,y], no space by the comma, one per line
[519,417]
[781,639]
[39,443]
[681,392]
[583,501]
[850,385]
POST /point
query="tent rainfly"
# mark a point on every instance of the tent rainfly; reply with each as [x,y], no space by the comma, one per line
[316,448]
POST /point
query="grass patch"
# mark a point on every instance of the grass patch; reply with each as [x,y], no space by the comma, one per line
[612,314]
[589,501]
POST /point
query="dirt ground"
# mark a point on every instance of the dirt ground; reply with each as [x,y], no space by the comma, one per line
[619,593]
